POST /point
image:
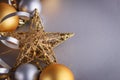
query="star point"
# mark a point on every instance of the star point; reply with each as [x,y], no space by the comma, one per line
[36,44]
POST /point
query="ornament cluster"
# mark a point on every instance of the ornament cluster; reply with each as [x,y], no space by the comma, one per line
[14,15]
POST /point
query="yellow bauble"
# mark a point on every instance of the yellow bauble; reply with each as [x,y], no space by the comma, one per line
[56,72]
[10,23]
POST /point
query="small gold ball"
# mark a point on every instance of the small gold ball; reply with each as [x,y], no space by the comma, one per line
[56,72]
[10,24]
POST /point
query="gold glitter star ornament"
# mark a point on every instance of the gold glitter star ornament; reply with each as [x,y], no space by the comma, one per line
[36,45]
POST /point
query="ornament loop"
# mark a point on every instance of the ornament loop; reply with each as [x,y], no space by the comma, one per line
[9,2]
[24,15]
[10,42]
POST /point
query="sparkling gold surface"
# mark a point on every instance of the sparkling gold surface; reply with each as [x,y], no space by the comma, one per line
[36,44]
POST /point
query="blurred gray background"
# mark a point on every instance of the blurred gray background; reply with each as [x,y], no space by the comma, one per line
[94,52]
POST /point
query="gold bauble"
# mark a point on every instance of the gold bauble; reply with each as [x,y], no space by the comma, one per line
[11,23]
[56,72]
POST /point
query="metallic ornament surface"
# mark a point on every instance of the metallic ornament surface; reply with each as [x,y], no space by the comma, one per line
[11,23]
[56,72]
[10,42]
[9,2]
[26,72]
[23,15]
[4,71]
[13,3]
[30,6]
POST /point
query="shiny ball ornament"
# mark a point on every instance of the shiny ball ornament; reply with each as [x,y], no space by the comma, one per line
[56,72]
[11,23]
[26,72]
[30,5]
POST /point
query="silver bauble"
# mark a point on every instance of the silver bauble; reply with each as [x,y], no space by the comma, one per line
[26,72]
[29,5]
